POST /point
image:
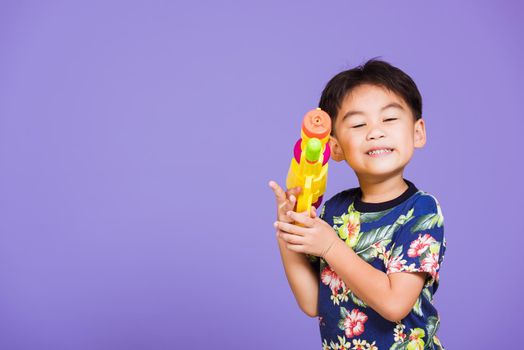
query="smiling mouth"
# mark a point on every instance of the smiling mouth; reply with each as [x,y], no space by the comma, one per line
[380,152]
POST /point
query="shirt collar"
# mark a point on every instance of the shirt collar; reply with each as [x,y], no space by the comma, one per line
[364,207]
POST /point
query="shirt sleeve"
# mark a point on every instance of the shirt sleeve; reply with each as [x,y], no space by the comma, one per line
[419,245]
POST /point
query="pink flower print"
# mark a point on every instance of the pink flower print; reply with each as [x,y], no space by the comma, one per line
[331,279]
[395,264]
[399,334]
[354,323]
[430,264]
[420,245]
[353,228]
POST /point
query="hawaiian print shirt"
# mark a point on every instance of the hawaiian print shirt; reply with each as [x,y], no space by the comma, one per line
[405,234]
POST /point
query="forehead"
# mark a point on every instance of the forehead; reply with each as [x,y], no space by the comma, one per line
[371,99]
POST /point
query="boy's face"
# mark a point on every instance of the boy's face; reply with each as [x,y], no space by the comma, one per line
[372,117]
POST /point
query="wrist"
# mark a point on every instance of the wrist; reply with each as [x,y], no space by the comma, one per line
[333,251]
[330,247]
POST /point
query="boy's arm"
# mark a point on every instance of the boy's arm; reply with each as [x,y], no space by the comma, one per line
[300,274]
[391,295]
[301,277]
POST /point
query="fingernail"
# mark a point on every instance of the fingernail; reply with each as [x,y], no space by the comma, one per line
[275,224]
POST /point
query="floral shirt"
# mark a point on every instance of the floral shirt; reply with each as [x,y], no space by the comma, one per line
[405,234]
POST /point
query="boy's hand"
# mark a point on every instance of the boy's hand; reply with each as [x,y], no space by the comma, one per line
[285,200]
[314,237]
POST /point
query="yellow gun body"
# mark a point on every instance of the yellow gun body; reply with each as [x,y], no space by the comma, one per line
[309,166]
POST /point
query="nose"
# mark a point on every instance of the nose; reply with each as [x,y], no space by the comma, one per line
[375,133]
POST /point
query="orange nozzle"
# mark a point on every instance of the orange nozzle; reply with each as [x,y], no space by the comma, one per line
[316,123]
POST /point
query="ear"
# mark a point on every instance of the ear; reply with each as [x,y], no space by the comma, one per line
[336,151]
[420,133]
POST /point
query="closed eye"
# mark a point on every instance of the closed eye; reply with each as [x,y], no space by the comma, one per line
[358,126]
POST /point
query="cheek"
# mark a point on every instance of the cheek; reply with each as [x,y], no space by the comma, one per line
[352,141]
[408,152]
[353,148]
[407,148]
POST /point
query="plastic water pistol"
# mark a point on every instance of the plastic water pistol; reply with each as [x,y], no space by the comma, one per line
[309,165]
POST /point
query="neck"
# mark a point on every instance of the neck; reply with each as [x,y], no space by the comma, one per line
[382,190]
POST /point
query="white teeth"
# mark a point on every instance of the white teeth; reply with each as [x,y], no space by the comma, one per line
[379,151]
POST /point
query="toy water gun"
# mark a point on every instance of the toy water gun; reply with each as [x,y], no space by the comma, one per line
[309,166]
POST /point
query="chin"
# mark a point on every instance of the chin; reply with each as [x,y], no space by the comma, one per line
[381,172]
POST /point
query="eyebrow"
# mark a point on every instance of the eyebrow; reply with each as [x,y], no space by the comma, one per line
[391,105]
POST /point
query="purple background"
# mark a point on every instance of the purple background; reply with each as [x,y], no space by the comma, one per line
[137,140]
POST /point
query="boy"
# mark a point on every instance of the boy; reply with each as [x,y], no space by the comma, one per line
[368,267]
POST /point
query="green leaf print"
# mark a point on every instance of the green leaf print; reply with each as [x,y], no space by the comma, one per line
[402,219]
[338,220]
[426,222]
[370,254]
[375,216]
[381,234]
[341,324]
[356,300]
[432,327]
[397,251]
[399,346]
[343,312]
[434,247]
[417,308]
[323,211]
[378,234]
[427,294]
[424,255]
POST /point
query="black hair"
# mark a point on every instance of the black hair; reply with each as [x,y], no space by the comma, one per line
[374,72]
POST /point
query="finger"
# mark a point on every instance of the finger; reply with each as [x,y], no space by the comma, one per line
[279,192]
[295,191]
[313,212]
[289,204]
[289,228]
[293,239]
[298,248]
[291,201]
[302,218]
